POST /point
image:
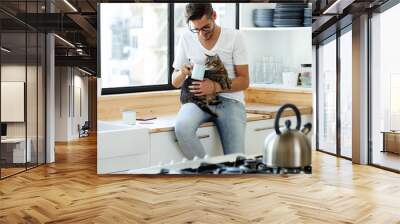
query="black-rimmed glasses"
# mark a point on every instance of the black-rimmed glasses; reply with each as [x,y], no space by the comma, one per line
[206,29]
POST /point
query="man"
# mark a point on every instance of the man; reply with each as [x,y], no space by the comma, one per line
[206,37]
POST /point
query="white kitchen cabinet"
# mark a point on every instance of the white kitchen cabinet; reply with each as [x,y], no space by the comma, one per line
[211,141]
[256,132]
[128,147]
[122,163]
[122,147]
[165,148]
[120,140]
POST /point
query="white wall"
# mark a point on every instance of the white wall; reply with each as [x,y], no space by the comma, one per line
[80,94]
[291,47]
[70,84]
[62,81]
[12,73]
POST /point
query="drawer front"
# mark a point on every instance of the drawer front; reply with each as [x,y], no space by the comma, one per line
[123,143]
[210,139]
[256,132]
[164,148]
[122,163]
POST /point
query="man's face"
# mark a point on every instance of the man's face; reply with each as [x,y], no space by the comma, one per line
[204,26]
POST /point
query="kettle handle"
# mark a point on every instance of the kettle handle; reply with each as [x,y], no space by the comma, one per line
[278,117]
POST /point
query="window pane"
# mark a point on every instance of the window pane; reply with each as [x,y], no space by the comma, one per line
[346,94]
[327,97]
[385,84]
[134,44]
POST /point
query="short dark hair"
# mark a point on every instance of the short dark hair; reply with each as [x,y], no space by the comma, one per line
[195,11]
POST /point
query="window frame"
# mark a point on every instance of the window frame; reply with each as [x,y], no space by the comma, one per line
[381,9]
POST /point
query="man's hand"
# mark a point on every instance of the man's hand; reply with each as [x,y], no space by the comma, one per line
[186,69]
[205,87]
[179,76]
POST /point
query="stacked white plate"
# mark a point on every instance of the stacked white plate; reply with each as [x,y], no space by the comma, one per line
[307,17]
[263,17]
[289,14]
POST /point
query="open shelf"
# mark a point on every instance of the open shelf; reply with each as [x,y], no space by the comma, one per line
[274,28]
[246,18]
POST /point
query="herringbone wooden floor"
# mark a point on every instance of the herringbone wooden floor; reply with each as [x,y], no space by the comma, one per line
[70,191]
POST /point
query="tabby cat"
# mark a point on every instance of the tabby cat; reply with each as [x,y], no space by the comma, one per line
[215,71]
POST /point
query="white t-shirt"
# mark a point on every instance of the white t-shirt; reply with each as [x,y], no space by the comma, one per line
[229,47]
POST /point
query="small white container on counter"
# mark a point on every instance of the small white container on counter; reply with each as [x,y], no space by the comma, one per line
[129,117]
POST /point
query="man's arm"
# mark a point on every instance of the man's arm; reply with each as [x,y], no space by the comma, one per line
[177,78]
[240,82]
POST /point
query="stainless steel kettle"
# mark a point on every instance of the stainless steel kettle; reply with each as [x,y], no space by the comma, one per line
[288,148]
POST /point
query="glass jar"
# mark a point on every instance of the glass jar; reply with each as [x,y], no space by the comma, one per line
[305,72]
[277,71]
[259,72]
[266,69]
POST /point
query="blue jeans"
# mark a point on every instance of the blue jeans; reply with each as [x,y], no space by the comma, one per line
[231,125]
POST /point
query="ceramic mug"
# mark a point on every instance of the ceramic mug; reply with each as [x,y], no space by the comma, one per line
[198,71]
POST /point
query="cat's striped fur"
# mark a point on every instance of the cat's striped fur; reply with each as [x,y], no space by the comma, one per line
[215,71]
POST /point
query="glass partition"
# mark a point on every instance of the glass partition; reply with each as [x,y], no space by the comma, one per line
[22,69]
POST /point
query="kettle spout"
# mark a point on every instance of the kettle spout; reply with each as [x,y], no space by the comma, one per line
[307,128]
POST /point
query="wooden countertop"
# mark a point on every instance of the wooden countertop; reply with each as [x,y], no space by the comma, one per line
[280,88]
[166,122]
[255,112]
[259,108]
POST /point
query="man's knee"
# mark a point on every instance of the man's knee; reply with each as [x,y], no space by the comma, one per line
[184,128]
